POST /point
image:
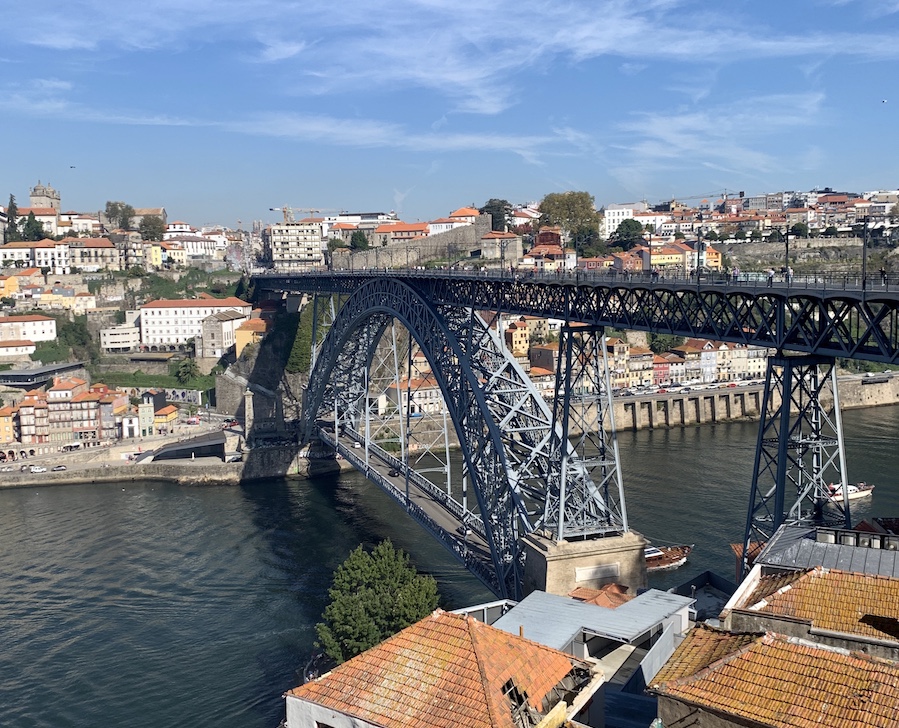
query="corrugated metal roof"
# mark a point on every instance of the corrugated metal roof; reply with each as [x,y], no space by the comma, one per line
[795,547]
[554,621]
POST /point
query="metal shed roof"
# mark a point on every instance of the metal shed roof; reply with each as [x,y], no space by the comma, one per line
[554,621]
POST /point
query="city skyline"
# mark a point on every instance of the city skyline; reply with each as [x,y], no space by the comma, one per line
[220,111]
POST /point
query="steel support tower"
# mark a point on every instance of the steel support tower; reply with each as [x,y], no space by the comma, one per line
[799,452]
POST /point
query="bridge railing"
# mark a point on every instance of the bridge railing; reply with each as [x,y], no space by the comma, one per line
[754,280]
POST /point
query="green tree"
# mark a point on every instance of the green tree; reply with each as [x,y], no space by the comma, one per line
[588,242]
[740,235]
[628,234]
[776,236]
[830,231]
[359,240]
[151,227]
[500,212]
[33,229]
[187,371]
[800,230]
[569,210]
[711,235]
[679,235]
[660,343]
[373,596]
[12,223]
[119,214]
[755,235]
[894,213]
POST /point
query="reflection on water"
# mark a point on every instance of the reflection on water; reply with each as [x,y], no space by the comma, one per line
[155,604]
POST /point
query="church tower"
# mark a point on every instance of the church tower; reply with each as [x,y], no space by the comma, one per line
[44,196]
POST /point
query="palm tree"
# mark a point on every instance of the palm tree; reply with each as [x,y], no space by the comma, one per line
[187,370]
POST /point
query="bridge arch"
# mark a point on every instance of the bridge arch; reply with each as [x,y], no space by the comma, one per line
[503,425]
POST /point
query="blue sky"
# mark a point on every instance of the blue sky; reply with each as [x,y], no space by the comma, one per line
[221,109]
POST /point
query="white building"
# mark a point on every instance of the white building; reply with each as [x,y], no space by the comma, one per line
[16,349]
[614,215]
[171,323]
[32,327]
[296,245]
[218,335]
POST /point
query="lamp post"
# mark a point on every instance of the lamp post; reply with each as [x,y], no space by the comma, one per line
[787,250]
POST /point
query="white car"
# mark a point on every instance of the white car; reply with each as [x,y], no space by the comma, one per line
[38,469]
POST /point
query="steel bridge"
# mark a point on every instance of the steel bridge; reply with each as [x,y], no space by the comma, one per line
[552,466]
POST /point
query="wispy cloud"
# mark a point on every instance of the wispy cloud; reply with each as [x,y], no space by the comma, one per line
[723,138]
[449,49]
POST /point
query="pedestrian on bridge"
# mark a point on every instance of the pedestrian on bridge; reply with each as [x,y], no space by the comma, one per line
[770,274]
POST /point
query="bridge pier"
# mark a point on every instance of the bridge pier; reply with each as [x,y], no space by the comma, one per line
[558,567]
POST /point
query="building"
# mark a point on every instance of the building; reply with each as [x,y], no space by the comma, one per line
[446,671]
[167,324]
[13,349]
[218,333]
[296,245]
[249,332]
[31,327]
[44,196]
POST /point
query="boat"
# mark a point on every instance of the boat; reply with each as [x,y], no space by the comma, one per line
[666,558]
[861,490]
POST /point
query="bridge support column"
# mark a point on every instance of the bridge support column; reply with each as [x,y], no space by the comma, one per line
[558,567]
[799,452]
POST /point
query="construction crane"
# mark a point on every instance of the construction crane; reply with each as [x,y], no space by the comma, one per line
[288,211]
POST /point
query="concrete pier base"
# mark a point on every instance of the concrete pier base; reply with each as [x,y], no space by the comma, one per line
[558,567]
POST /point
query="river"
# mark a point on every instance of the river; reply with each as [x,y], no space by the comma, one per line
[160,605]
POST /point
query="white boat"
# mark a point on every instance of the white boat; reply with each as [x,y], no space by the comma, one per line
[665,558]
[862,490]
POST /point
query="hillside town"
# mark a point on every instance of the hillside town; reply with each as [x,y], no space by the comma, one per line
[60,267]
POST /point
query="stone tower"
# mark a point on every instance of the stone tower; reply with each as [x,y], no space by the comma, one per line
[44,196]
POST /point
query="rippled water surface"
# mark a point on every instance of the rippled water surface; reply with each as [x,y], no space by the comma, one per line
[160,605]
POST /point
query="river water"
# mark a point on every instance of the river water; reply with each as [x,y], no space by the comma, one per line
[155,605]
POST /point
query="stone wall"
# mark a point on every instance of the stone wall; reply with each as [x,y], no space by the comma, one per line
[450,246]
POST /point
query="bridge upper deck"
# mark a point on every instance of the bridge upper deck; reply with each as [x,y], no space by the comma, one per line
[832,316]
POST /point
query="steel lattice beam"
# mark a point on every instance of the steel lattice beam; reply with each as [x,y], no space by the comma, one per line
[799,452]
[505,428]
[854,324]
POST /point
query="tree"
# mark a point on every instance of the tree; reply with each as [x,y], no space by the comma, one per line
[740,235]
[187,370]
[679,235]
[373,596]
[711,235]
[569,210]
[587,242]
[755,235]
[660,343]
[894,213]
[33,229]
[776,236]
[800,230]
[12,223]
[500,212]
[628,234]
[359,240]
[830,231]
[151,227]
[119,214]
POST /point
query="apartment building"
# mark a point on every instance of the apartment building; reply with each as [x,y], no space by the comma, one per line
[31,327]
[170,323]
[296,245]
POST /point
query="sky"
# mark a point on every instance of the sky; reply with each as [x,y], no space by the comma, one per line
[219,110]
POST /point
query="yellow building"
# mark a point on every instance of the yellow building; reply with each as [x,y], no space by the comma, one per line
[165,418]
[7,431]
[8,286]
[249,332]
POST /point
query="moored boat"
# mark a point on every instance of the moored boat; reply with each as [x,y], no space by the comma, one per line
[861,490]
[665,558]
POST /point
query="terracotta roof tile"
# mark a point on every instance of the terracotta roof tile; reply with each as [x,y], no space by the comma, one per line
[458,667]
[839,601]
[774,681]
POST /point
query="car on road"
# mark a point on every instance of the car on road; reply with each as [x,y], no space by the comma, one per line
[58,468]
[6,469]
[394,473]
[38,469]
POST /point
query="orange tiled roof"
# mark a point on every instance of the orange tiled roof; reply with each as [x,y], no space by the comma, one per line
[167,410]
[204,301]
[465,212]
[458,667]
[773,681]
[839,601]
[10,343]
[609,595]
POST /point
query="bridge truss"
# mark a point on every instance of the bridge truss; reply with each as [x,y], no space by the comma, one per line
[800,443]
[518,462]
